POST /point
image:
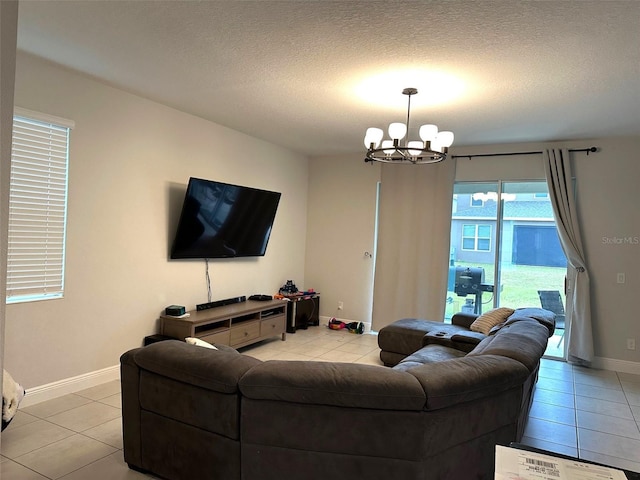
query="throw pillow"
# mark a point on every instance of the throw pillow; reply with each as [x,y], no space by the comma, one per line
[199,343]
[485,322]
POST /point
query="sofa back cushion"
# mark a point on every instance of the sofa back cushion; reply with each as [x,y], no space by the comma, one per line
[331,383]
[524,341]
[429,354]
[467,379]
[217,370]
[542,316]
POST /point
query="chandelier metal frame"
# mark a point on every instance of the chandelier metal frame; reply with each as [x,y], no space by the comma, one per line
[413,154]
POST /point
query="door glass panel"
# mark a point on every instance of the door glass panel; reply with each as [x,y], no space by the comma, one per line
[532,265]
[506,252]
[472,251]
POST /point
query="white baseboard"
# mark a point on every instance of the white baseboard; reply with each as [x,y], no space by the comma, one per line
[53,390]
[623,366]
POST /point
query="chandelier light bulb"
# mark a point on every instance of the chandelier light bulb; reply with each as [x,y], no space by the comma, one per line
[428,133]
[445,139]
[373,135]
[387,146]
[397,130]
[416,144]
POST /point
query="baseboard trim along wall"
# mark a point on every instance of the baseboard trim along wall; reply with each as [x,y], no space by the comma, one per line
[623,366]
[53,390]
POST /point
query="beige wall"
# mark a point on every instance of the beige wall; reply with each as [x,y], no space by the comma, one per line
[607,190]
[608,202]
[8,35]
[130,160]
[341,212]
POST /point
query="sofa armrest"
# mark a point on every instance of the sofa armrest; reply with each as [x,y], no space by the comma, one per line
[329,383]
[216,370]
[130,388]
[463,319]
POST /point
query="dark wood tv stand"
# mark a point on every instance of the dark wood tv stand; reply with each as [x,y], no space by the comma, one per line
[236,325]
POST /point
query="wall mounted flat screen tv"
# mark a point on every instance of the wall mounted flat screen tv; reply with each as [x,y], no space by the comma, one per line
[220,220]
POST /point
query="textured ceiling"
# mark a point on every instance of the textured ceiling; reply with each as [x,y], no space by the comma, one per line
[313,75]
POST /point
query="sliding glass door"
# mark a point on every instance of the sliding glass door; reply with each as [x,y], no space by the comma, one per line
[505,251]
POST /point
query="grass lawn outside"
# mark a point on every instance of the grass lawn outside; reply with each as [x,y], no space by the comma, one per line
[519,287]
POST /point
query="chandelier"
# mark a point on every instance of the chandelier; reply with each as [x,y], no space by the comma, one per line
[432,148]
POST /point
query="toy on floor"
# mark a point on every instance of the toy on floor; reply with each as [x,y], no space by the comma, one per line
[352,327]
[335,324]
[12,394]
[356,327]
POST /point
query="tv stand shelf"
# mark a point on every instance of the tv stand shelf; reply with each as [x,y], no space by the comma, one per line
[236,325]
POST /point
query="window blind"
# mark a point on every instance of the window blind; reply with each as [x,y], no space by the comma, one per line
[37,207]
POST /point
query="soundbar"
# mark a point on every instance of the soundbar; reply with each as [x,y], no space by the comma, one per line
[220,303]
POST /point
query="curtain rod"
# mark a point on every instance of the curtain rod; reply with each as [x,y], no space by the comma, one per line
[588,150]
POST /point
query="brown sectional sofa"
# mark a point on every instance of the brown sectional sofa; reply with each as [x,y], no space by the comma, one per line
[406,336]
[195,413]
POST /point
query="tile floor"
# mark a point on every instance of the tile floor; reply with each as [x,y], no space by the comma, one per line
[592,414]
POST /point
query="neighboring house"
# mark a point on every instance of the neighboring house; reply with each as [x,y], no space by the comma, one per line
[529,231]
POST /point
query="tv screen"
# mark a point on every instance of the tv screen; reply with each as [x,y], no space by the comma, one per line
[220,220]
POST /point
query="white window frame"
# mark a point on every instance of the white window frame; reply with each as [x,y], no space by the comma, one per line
[37,206]
[476,237]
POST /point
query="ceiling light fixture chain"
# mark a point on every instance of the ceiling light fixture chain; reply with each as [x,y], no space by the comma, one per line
[432,149]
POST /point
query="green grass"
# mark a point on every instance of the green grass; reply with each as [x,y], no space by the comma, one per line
[520,285]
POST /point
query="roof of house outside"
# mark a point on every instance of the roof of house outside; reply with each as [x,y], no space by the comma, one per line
[513,210]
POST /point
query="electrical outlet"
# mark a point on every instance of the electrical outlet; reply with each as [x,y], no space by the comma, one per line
[631,343]
[621,278]
[340,305]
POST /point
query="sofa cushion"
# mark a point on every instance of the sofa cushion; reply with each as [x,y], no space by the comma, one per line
[469,337]
[463,319]
[464,340]
[524,341]
[468,378]
[485,322]
[429,354]
[405,335]
[544,317]
[217,370]
[202,408]
[330,383]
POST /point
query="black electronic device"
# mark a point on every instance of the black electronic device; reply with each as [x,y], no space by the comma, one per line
[260,297]
[220,303]
[175,310]
[220,220]
[288,288]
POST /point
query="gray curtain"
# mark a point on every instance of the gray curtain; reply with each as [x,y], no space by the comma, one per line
[579,336]
[414,231]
